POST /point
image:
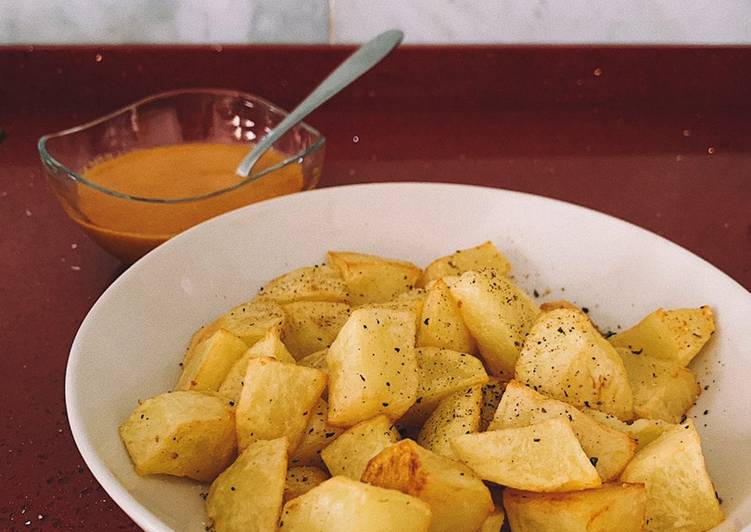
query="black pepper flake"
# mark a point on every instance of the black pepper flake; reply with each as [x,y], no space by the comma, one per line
[426,321]
[397,349]
[535,440]
[232,488]
[593,460]
[560,330]
[585,310]
[362,378]
[706,412]
[639,352]
[329,434]
[683,418]
[608,334]
[535,293]
[385,404]
[231,403]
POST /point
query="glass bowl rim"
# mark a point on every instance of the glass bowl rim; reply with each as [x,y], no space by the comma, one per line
[51,161]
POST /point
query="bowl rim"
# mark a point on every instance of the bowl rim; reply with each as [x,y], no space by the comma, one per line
[58,167]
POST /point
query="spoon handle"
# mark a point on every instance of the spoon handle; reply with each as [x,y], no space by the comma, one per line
[365,58]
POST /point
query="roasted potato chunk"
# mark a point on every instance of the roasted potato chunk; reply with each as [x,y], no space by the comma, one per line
[679,490]
[185,434]
[676,335]
[372,367]
[642,431]
[248,321]
[457,414]
[349,454]
[276,401]
[372,279]
[302,479]
[458,500]
[492,392]
[566,358]
[494,521]
[211,362]
[247,496]
[317,436]
[269,346]
[607,448]
[441,323]
[311,283]
[662,389]
[441,372]
[411,301]
[610,507]
[312,325]
[341,504]
[498,315]
[483,257]
[543,457]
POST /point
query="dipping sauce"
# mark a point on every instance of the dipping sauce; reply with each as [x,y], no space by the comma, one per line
[129,228]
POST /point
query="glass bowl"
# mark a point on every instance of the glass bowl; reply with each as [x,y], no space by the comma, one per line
[132,215]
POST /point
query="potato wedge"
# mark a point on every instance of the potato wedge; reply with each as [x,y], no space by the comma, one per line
[498,315]
[679,490]
[372,279]
[212,361]
[458,500]
[676,335]
[457,414]
[492,392]
[317,436]
[441,372]
[316,360]
[247,496]
[276,401]
[441,323]
[412,301]
[482,257]
[349,454]
[642,431]
[566,358]
[269,346]
[662,389]
[494,521]
[302,479]
[248,321]
[311,283]
[607,448]
[185,434]
[341,504]
[372,367]
[543,457]
[312,325]
[610,507]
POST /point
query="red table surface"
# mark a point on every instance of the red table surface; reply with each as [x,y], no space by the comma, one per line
[658,136]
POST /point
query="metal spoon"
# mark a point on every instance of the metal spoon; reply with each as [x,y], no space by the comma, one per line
[365,58]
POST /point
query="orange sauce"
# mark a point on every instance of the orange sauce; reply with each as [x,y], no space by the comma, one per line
[129,228]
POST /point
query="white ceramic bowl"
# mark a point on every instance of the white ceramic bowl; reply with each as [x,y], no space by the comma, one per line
[129,345]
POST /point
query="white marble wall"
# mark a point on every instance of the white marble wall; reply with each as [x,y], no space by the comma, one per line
[424,21]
